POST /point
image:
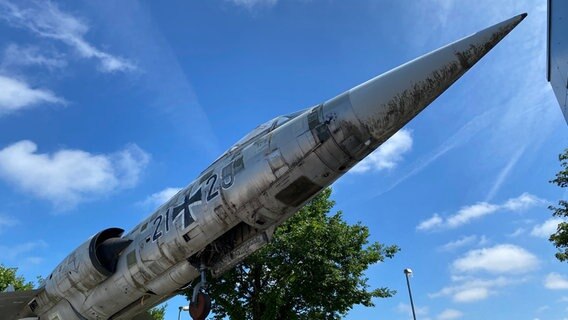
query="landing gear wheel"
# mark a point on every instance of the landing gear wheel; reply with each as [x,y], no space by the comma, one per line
[201,308]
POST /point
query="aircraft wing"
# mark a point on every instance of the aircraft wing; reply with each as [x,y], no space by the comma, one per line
[13,305]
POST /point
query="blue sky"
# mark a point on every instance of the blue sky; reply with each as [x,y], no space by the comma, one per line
[107,108]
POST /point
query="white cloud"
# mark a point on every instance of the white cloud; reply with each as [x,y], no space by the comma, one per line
[555,281]
[24,254]
[388,155]
[463,135]
[461,242]
[516,233]
[466,214]
[505,172]
[433,222]
[16,95]
[547,228]
[471,294]
[523,202]
[250,4]
[35,260]
[543,308]
[160,197]
[44,19]
[466,289]
[69,176]
[15,55]
[14,252]
[128,165]
[406,309]
[504,258]
[6,221]
[483,241]
[476,211]
[449,314]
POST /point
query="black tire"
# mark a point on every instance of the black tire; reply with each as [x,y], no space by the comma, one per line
[201,308]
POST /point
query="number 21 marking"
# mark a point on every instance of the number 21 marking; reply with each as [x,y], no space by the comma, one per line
[212,192]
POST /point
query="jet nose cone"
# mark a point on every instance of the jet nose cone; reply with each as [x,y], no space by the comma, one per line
[386,103]
[481,42]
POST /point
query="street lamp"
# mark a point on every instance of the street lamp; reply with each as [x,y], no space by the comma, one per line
[408,272]
[182,308]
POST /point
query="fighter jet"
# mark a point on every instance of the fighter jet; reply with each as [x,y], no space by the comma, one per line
[233,207]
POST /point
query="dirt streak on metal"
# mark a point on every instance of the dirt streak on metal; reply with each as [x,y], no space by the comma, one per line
[469,57]
[406,105]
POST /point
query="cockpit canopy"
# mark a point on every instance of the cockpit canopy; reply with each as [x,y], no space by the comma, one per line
[258,132]
[265,128]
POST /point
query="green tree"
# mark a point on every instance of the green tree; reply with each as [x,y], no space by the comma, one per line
[560,237]
[9,276]
[158,313]
[313,269]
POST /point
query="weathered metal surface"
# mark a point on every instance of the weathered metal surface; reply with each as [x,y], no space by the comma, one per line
[232,208]
[387,102]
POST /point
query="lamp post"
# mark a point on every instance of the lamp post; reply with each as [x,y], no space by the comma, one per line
[182,308]
[408,272]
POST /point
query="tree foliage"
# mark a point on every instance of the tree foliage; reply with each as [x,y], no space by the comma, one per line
[9,276]
[560,237]
[158,313]
[313,269]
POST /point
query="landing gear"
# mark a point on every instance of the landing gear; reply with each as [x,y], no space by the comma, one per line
[200,304]
[201,308]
